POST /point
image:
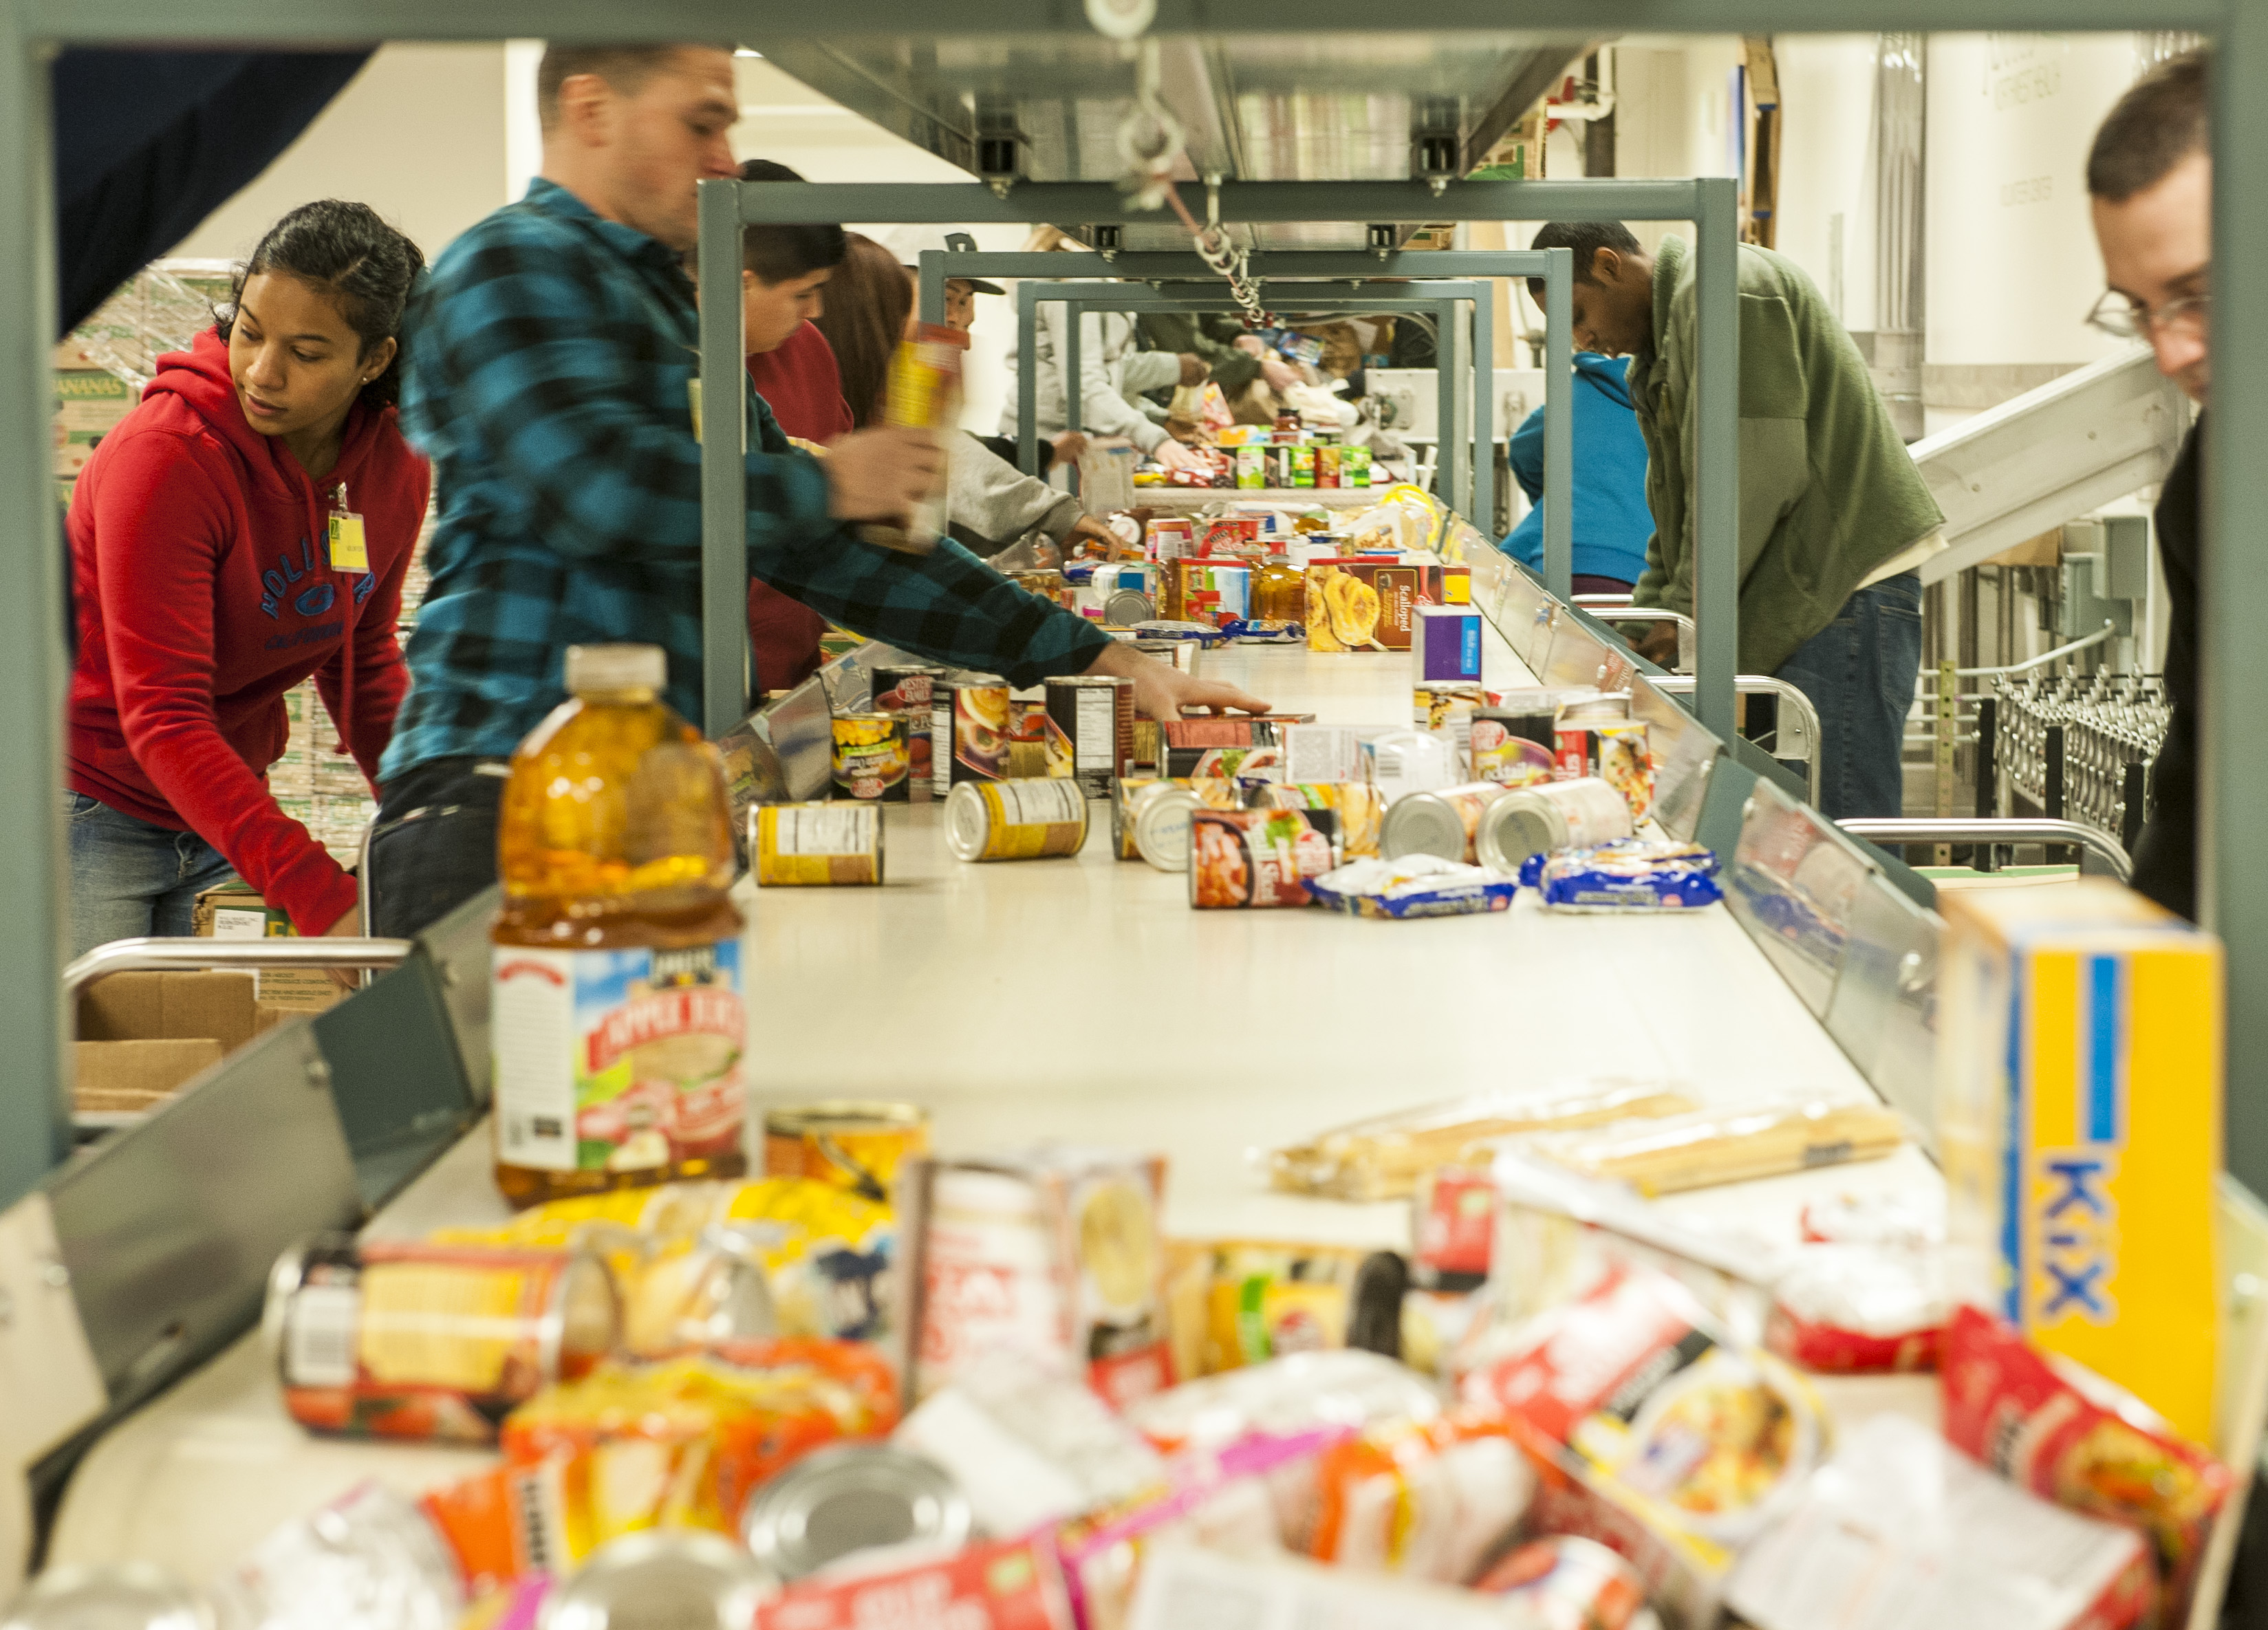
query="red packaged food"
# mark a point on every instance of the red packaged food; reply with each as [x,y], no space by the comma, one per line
[1259,857]
[1455,1226]
[2069,1435]
[1858,1309]
[1012,1586]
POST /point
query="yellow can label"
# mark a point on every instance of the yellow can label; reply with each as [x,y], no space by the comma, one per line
[1031,819]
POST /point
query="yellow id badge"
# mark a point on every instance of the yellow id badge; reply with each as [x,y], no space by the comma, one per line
[348,552]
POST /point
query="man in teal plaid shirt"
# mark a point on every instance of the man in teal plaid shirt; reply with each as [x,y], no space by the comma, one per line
[549,364]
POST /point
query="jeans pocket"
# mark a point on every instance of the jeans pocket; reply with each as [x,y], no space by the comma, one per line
[77,803]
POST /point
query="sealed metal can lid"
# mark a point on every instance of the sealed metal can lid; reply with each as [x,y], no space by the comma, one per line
[1422,823]
[122,1596]
[854,1498]
[967,821]
[1128,607]
[1515,827]
[1161,827]
[663,1579]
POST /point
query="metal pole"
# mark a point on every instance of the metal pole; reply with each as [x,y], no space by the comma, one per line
[932,285]
[35,1103]
[1028,382]
[1074,326]
[2233,600]
[1482,514]
[1717,467]
[1446,474]
[723,465]
[1559,426]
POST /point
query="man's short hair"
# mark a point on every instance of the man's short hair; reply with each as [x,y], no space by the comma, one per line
[1585,239]
[625,67]
[2160,120]
[779,253]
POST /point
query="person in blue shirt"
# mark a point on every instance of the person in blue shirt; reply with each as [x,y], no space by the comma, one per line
[1612,522]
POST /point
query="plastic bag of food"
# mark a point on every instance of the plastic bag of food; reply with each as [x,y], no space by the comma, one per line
[1898,1529]
[1859,1309]
[1415,886]
[1428,1500]
[1566,1582]
[1897,1218]
[369,1560]
[1185,1586]
[2069,1436]
[1714,1146]
[1627,874]
[1702,1438]
[1383,1157]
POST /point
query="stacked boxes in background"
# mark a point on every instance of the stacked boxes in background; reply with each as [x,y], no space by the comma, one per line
[101,368]
[2078,1125]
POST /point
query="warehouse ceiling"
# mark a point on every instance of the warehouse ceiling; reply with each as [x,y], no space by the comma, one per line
[1260,107]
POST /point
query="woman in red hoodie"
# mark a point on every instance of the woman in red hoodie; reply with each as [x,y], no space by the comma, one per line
[247,524]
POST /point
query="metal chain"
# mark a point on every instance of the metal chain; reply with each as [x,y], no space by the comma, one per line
[2108,721]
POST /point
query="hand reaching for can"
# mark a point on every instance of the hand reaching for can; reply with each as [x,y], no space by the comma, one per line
[1162,691]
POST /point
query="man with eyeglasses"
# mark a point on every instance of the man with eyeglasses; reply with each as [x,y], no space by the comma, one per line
[2150,175]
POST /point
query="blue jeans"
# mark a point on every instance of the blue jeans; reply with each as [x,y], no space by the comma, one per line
[129,879]
[1858,671]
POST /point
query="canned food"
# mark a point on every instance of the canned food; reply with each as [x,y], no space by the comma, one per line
[1357,805]
[1327,464]
[408,1338]
[1303,466]
[683,1578]
[1090,730]
[851,1143]
[870,756]
[1625,765]
[108,1596]
[969,731]
[1058,1255]
[1157,822]
[855,1498]
[1246,858]
[1400,762]
[1548,816]
[1015,820]
[1125,607]
[1575,744]
[904,690]
[1182,653]
[1501,754]
[1443,823]
[1171,537]
[1568,1582]
[1044,582]
[793,844]
[1251,466]
[1445,704]
[697,1294]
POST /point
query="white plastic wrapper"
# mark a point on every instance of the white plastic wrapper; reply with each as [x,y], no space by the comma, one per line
[1860,1310]
[368,1560]
[1899,1529]
[1284,1396]
[1912,1220]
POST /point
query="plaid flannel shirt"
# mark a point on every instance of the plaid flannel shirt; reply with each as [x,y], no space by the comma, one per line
[550,356]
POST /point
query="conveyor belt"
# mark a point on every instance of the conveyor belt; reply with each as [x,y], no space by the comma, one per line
[1085,1001]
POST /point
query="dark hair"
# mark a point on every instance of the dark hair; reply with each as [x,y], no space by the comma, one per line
[625,67]
[868,300]
[2160,122]
[349,252]
[776,252]
[1585,239]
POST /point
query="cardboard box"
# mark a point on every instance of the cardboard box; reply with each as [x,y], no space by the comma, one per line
[2079,1088]
[234,912]
[1446,642]
[140,1036]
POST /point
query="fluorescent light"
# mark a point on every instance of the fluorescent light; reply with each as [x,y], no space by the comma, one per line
[792,110]
[744,51]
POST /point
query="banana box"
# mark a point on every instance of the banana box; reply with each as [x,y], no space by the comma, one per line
[2079,1088]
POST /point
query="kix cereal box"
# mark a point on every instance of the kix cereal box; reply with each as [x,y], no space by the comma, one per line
[2079,1089]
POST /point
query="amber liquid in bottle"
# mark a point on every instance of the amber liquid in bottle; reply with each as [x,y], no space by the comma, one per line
[615,834]
[1279,593]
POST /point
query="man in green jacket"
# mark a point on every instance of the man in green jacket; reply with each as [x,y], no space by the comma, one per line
[1835,519]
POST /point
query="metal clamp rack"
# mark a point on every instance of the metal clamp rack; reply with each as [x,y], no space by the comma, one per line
[2078,746]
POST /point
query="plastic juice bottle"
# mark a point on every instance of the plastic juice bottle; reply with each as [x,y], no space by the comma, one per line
[617,1012]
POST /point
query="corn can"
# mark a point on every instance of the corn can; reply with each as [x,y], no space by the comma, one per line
[1015,820]
[793,844]
[870,757]
[850,1143]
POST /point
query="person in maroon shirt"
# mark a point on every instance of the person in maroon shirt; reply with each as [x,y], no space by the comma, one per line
[250,523]
[783,269]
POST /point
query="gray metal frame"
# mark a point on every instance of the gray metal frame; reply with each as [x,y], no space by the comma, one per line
[1711,203]
[1461,463]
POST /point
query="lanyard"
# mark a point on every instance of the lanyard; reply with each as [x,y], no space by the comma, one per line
[348,550]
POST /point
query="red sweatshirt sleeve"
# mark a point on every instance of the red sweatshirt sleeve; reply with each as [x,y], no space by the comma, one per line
[161,528]
[381,678]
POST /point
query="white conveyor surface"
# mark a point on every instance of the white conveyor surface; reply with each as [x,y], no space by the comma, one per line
[1083,1000]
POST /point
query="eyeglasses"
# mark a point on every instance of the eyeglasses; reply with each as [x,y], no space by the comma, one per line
[2122,319]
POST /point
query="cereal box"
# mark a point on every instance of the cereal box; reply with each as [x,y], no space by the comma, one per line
[2078,1123]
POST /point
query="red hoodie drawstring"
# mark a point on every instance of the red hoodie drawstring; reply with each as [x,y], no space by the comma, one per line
[320,528]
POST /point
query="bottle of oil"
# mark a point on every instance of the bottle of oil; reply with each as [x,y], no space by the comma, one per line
[617,1012]
[1280,592]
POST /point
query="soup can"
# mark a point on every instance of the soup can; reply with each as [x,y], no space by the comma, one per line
[795,844]
[853,1143]
[1625,764]
[1248,858]
[1575,742]
[1089,726]
[409,1339]
[1443,823]
[904,689]
[968,730]
[852,1498]
[686,1578]
[870,757]
[1015,820]
[1550,816]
